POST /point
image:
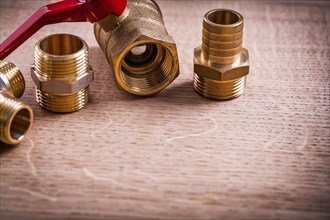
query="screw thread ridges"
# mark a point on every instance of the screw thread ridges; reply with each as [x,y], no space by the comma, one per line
[221,64]
[219,90]
[222,42]
[149,71]
[55,67]
[15,119]
[63,103]
[14,77]
[161,71]
[62,58]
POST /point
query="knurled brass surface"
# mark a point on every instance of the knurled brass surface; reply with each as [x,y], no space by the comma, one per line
[220,63]
[142,53]
[62,73]
[15,116]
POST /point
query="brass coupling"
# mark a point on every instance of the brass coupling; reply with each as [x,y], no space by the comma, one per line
[61,73]
[15,116]
[221,64]
[143,55]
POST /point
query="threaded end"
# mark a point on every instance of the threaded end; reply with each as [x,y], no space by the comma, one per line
[11,79]
[141,25]
[15,119]
[61,58]
[220,90]
[222,36]
[147,68]
[63,103]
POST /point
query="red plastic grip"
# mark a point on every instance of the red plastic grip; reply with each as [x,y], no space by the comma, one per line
[64,11]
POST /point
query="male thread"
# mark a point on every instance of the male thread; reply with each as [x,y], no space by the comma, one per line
[63,103]
[219,90]
[224,62]
[15,118]
[12,79]
[62,73]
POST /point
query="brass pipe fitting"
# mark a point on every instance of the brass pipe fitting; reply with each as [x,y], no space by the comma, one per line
[221,64]
[143,55]
[61,73]
[15,116]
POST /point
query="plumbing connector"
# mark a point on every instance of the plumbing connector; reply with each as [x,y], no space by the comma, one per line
[15,116]
[62,11]
[221,64]
[61,73]
[142,54]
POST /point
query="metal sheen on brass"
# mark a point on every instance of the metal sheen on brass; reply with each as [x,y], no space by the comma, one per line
[221,64]
[142,54]
[15,116]
[61,73]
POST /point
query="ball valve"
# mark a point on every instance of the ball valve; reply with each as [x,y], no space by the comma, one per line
[63,11]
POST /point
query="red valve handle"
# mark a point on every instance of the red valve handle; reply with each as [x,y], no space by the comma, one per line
[64,11]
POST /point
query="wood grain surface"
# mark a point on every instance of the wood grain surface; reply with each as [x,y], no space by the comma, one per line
[264,155]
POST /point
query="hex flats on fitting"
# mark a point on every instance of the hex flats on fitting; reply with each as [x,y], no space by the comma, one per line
[61,73]
[221,64]
[146,59]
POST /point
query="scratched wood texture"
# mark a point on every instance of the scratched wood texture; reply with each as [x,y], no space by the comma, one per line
[177,155]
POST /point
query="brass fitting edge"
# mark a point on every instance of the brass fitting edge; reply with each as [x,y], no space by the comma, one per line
[221,64]
[15,119]
[61,73]
[142,54]
[11,79]
[15,116]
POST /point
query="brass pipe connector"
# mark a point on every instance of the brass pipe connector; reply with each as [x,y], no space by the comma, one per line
[15,116]
[62,73]
[221,64]
[143,55]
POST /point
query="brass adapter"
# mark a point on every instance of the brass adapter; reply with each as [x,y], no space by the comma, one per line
[221,64]
[62,73]
[143,55]
[15,116]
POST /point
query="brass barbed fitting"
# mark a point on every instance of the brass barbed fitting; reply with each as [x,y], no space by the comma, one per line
[221,64]
[61,73]
[143,55]
[15,116]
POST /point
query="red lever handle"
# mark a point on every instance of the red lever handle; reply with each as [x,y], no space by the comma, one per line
[64,11]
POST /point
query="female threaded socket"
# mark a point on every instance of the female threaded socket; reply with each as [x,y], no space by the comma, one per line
[221,63]
[141,52]
[62,73]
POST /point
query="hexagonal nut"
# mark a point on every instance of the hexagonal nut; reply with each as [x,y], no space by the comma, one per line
[221,72]
[143,74]
[70,86]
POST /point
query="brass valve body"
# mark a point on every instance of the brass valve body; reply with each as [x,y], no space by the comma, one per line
[143,55]
[62,73]
[15,116]
[221,64]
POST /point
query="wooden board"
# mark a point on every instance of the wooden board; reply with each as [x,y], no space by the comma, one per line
[177,155]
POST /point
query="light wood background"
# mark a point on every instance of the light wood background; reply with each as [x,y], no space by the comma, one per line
[177,155]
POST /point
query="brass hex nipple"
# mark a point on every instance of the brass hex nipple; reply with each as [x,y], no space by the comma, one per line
[15,116]
[62,73]
[143,55]
[221,64]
